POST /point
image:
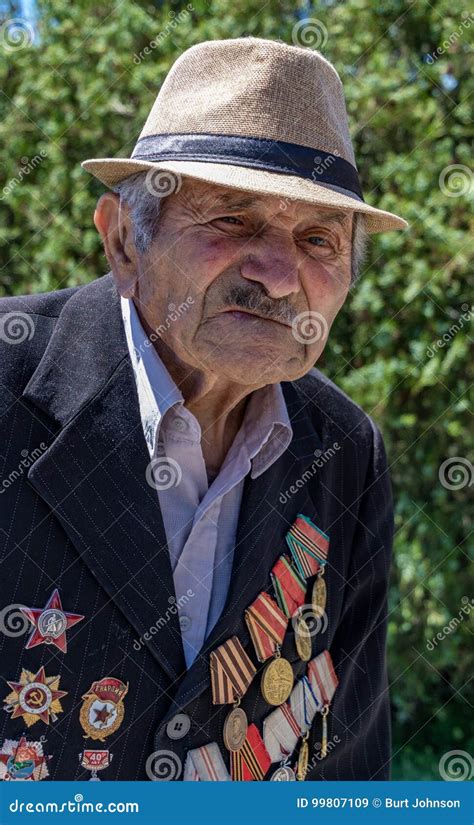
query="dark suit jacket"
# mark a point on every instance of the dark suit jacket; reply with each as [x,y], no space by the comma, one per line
[79,515]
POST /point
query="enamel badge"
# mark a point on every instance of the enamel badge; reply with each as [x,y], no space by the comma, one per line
[102,711]
[21,760]
[35,697]
[50,623]
[95,760]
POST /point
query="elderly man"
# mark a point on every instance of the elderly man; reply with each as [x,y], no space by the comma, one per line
[196,524]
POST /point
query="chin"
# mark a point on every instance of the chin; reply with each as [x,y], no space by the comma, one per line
[252,367]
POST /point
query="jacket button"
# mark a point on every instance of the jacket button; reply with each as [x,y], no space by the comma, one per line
[178,726]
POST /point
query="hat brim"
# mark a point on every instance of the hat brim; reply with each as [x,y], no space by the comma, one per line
[111,171]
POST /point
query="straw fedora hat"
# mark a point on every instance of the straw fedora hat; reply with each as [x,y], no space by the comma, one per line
[256,115]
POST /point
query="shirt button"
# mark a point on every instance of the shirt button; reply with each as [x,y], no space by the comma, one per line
[178,726]
[184,623]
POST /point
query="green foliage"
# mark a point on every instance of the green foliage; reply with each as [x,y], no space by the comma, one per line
[77,92]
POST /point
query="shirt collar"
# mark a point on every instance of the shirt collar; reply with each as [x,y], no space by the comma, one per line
[266,431]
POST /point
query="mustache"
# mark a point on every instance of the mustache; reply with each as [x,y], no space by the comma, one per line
[255,298]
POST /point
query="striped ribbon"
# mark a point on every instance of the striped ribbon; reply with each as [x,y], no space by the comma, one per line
[205,765]
[322,677]
[280,732]
[304,704]
[289,586]
[252,761]
[267,625]
[231,672]
[308,544]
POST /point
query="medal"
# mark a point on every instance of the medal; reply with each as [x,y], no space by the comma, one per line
[303,758]
[318,596]
[324,682]
[21,760]
[277,681]
[50,623]
[252,761]
[95,760]
[232,672]
[205,765]
[280,733]
[322,677]
[102,711]
[289,586]
[283,774]
[302,638]
[35,697]
[235,729]
[267,626]
[324,736]
[308,544]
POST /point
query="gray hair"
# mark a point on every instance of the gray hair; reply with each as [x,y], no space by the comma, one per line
[145,206]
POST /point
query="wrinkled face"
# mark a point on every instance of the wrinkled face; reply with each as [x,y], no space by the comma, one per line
[244,286]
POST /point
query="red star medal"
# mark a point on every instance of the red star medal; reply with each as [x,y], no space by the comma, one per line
[50,623]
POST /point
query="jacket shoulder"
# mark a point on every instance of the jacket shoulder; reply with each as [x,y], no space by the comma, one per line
[333,411]
[26,325]
[47,304]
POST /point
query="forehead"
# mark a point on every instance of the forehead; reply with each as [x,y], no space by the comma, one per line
[209,197]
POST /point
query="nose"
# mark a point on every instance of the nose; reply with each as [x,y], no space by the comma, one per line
[273,262]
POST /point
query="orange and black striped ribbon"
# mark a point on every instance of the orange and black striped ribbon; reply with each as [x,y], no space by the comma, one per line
[231,672]
[267,625]
[252,761]
[308,544]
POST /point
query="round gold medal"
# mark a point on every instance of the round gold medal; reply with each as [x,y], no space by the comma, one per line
[302,767]
[318,597]
[303,639]
[235,729]
[277,681]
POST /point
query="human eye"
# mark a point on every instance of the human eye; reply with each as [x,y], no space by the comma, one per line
[231,219]
[318,240]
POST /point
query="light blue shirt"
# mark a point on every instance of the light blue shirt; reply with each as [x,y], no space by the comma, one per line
[200,518]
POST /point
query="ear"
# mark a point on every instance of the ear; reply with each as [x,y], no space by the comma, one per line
[114,224]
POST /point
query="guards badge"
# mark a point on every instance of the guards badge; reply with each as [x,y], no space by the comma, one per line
[102,711]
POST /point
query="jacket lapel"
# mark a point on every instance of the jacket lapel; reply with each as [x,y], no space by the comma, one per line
[265,516]
[93,474]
